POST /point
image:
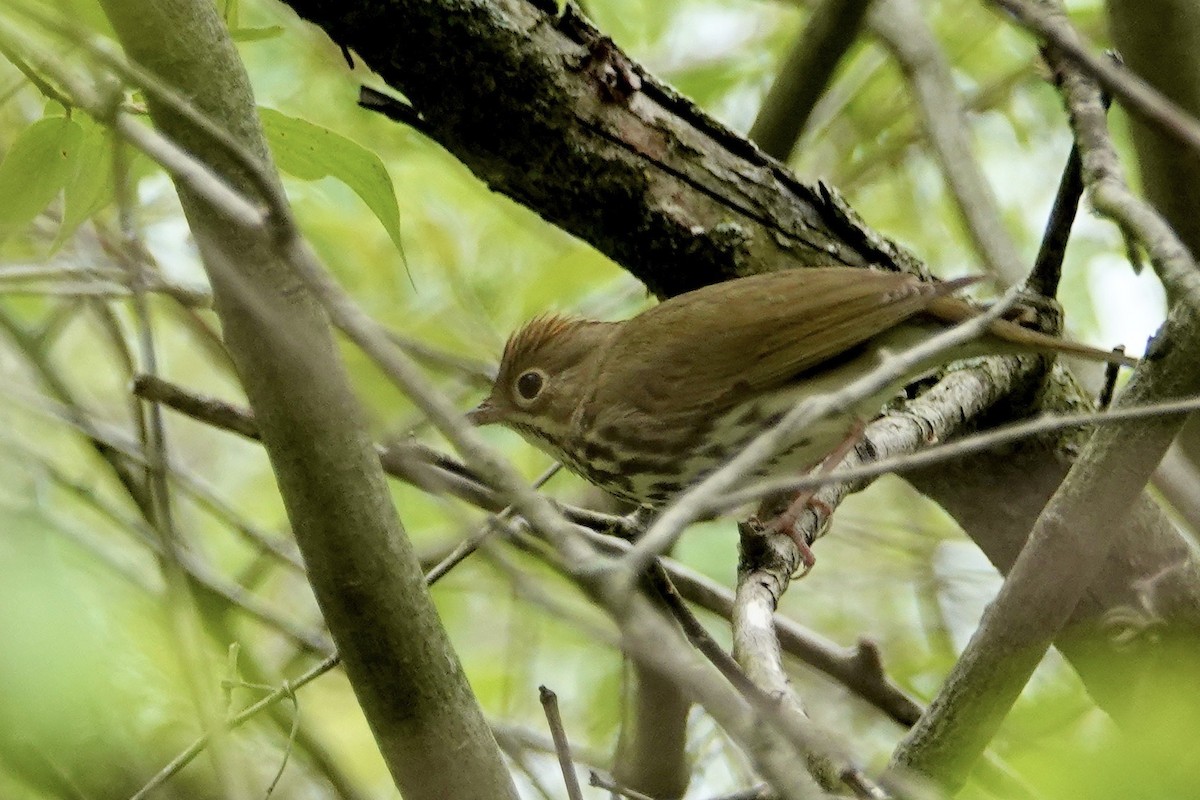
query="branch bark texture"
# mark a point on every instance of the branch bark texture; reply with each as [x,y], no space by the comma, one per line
[362,567]
[551,113]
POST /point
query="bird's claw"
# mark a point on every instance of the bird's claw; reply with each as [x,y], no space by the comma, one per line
[785,524]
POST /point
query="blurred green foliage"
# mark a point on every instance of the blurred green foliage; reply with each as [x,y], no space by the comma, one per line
[93,698]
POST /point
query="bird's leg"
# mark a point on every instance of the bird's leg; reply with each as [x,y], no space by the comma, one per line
[785,522]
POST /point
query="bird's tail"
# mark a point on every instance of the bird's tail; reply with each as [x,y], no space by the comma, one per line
[954,309]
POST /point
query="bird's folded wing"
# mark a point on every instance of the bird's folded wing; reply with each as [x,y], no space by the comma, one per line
[735,339]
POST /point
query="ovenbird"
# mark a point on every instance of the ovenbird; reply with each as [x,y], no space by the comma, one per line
[647,407]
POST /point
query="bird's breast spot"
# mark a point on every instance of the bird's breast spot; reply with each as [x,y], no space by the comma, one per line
[650,466]
[595,451]
[750,416]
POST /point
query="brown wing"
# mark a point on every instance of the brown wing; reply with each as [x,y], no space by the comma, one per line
[709,347]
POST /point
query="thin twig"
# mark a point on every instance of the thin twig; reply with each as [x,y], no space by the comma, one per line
[1047,266]
[393,109]
[31,75]
[561,745]
[1108,390]
[937,454]
[609,785]
[859,668]
[285,690]
[479,374]
[208,409]
[56,272]
[291,740]
[1135,94]
[697,634]
[49,285]
[470,544]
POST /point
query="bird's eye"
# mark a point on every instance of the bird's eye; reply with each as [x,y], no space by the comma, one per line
[530,383]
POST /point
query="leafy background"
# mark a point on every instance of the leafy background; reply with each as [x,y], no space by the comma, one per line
[94,695]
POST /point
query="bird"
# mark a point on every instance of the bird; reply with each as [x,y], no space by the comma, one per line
[647,407]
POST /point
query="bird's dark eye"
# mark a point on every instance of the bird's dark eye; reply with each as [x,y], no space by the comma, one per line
[530,383]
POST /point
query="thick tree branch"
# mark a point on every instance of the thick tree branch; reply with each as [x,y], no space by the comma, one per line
[651,754]
[550,112]
[362,568]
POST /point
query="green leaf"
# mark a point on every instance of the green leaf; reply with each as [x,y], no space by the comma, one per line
[35,169]
[90,187]
[310,152]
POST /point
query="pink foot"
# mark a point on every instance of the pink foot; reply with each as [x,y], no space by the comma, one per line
[785,523]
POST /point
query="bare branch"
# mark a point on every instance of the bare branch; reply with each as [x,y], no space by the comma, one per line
[561,745]
[805,73]
[764,570]
[600,782]
[1069,541]
[1134,93]
[286,690]
[901,27]
[969,445]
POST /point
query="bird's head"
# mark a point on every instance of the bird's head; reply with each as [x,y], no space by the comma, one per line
[544,375]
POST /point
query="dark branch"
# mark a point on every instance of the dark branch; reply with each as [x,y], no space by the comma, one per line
[805,74]
[552,113]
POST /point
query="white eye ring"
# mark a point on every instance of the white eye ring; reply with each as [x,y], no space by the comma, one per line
[529,385]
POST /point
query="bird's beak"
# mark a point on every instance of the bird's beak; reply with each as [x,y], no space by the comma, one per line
[484,414]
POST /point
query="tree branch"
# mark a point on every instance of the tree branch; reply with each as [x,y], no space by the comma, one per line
[620,159]
[901,27]
[362,568]
[1068,544]
[804,75]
